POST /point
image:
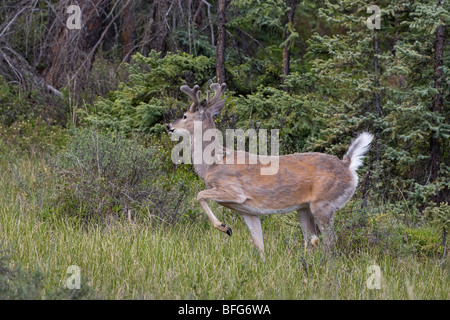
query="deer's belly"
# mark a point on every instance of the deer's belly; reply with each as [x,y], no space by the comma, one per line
[260,210]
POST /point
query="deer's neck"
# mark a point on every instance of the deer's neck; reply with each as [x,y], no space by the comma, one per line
[205,145]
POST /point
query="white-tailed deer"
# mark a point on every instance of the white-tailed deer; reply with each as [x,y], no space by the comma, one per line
[313,184]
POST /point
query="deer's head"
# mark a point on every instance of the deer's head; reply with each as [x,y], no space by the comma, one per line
[200,110]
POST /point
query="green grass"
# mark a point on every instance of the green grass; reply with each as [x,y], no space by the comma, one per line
[152,260]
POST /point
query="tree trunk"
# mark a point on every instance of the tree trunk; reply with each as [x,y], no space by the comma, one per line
[365,185]
[160,29]
[198,18]
[435,144]
[377,81]
[65,51]
[127,31]
[221,41]
[287,46]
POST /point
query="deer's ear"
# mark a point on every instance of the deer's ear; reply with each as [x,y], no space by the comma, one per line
[216,108]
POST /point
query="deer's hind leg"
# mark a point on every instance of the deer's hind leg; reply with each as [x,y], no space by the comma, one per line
[323,213]
[219,195]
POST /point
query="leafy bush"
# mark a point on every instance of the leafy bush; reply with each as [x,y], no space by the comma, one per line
[10,102]
[440,218]
[357,228]
[380,229]
[423,241]
[106,175]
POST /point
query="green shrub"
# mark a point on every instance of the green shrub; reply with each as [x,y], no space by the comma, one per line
[103,175]
[440,218]
[150,96]
[423,241]
[14,105]
[380,229]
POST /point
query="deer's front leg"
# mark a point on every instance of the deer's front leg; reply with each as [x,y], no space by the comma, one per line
[254,225]
[218,195]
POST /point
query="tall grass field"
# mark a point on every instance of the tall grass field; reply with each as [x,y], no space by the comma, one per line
[145,257]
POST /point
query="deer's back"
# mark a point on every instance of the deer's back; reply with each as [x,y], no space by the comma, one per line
[301,178]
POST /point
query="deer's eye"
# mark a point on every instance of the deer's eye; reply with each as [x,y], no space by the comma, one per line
[185,117]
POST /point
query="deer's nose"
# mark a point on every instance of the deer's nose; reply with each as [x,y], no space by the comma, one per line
[169,128]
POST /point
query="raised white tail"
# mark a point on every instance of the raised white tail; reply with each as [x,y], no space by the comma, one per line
[355,154]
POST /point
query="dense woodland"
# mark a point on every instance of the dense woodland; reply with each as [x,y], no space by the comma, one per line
[84,103]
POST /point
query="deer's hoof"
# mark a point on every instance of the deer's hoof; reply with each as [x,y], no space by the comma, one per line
[226,229]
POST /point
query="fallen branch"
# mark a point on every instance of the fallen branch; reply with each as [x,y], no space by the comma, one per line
[17,68]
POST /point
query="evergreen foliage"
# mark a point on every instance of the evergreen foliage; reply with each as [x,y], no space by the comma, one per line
[382,81]
[150,96]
